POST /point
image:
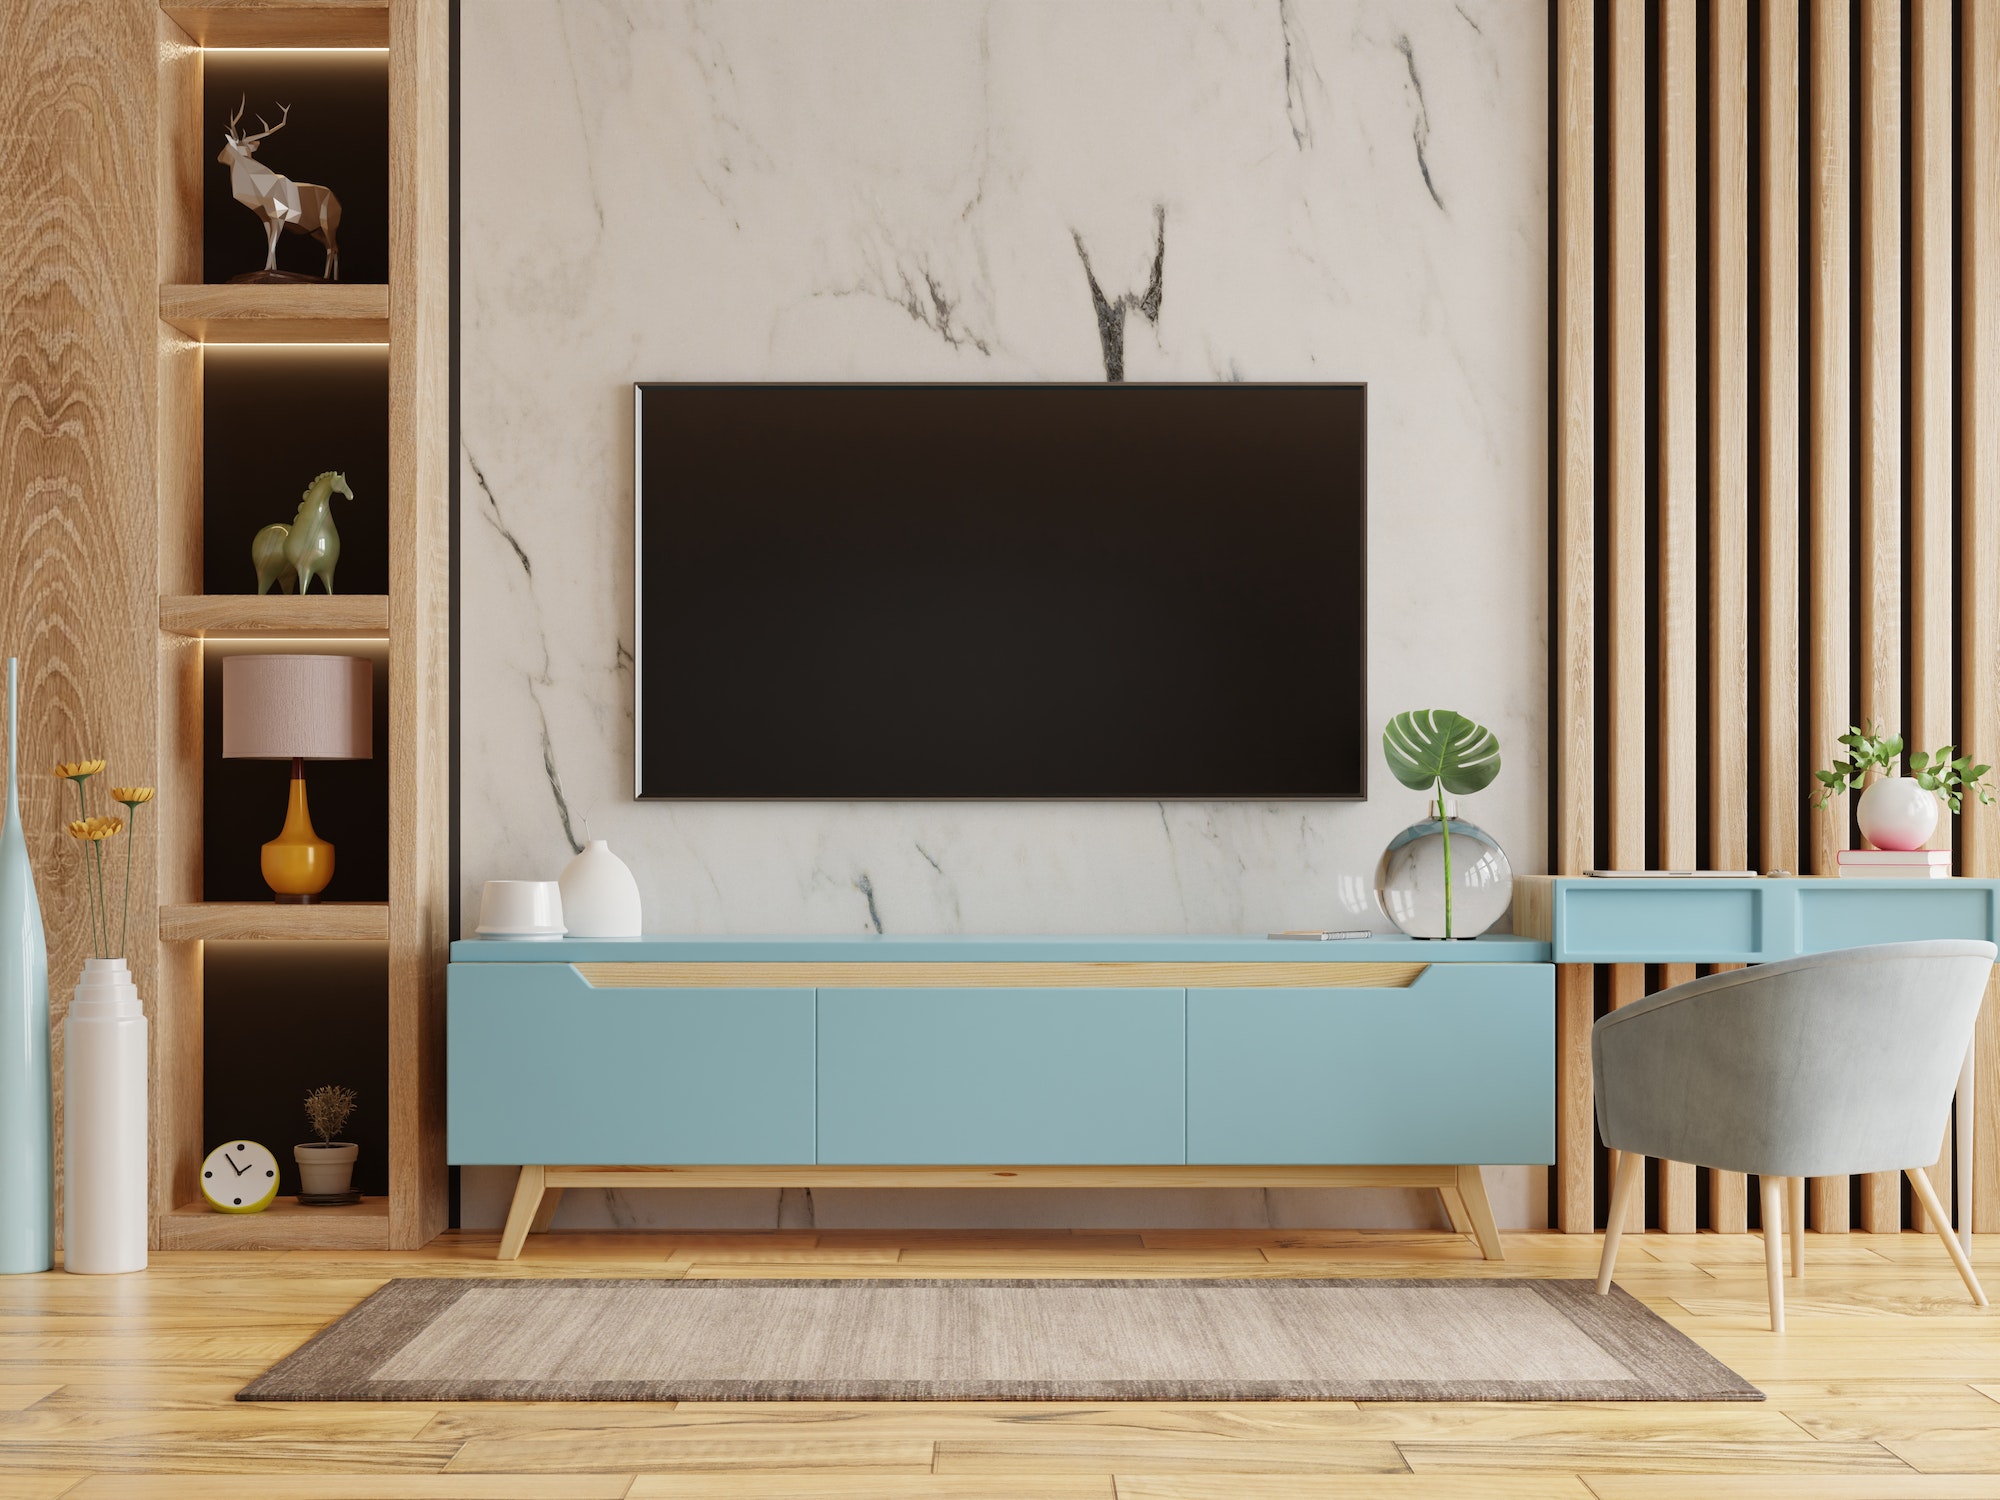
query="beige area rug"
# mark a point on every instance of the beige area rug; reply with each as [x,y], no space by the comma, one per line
[979,1340]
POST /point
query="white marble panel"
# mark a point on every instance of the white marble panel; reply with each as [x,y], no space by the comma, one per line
[912,189]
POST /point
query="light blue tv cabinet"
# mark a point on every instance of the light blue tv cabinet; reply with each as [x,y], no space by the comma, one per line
[1001,1061]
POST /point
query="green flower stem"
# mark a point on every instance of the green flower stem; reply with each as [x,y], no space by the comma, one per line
[131,833]
[89,902]
[96,869]
[1444,822]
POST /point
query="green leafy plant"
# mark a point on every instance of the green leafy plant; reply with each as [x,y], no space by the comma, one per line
[1941,771]
[1440,751]
[327,1109]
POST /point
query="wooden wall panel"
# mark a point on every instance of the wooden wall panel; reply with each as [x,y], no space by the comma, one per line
[1828,466]
[1879,412]
[1575,584]
[1979,514]
[1625,584]
[78,203]
[1930,428]
[1728,461]
[1676,735]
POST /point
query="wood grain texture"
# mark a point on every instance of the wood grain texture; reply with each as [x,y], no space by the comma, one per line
[241,921]
[1979,518]
[1828,465]
[180,75]
[1392,976]
[78,408]
[344,616]
[284,23]
[1780,799]
[1576,1119]
[285,1225]
[1880,414]
[344,314]
[1576,479]
[1176,1176]
[419,612]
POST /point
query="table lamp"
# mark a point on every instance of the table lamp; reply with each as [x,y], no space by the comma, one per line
[297,708]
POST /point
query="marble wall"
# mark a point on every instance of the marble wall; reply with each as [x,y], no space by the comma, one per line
[1015,190]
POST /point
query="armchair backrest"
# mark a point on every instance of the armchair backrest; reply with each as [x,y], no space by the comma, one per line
[1814,1067]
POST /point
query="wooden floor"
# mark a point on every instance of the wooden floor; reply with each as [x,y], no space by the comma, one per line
[1887,1385]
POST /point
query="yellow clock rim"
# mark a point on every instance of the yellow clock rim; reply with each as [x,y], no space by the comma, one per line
[256,1206]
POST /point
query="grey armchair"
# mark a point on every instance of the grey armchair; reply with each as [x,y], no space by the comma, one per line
[1815,1067]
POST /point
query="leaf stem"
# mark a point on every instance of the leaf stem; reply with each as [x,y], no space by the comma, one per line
[1444,822]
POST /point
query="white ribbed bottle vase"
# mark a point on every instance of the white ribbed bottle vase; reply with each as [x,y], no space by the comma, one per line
[104,1123]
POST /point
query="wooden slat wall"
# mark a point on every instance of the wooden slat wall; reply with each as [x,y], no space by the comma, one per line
[1816,472]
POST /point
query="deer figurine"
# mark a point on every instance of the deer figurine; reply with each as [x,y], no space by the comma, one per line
[302,207]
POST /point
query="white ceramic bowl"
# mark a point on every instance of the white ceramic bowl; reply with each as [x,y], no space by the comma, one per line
[521,909]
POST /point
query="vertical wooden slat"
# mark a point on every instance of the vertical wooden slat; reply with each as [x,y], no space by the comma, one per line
[1930,433]
[1880,413]
[1979,518]
[1728,479]
[1827,456]
[1626,678]
[1576,542]
[1778,436]
[1675,737]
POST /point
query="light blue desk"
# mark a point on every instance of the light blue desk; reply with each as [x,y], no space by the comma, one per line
[1672,920]
[1000,1062]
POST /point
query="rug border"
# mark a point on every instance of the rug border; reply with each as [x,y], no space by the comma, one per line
[333,1364]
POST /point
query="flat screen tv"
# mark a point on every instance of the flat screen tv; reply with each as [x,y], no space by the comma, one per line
[1001,591]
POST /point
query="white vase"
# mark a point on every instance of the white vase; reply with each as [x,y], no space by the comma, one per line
[104,1123]
[1896,813]
[326,1168]
[600,899]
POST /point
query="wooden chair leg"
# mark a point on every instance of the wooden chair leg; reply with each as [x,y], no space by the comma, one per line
[1773,1190]
[527,1202]
[1921,1182]
[1795,1192]
[1472,1192]
[1631,1173]
[1454,1210]
[551,1201]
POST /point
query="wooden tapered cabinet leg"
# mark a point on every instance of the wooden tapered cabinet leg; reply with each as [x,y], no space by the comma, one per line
[545,1215]
[1454,1210]
[528,1189]
[1773,1191]
[1472,1190]
[1921,1182]
[1631,1173]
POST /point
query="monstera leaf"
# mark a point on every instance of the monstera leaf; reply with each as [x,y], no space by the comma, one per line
[1439,747]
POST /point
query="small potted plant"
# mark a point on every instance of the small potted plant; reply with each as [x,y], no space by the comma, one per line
[1897,811]
[326,1166]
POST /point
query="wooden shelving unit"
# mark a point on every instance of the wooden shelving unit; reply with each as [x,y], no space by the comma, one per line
[410,315]
[255,616]
[278,314]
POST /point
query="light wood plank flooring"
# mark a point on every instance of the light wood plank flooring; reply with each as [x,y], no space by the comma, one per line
[1886,1387]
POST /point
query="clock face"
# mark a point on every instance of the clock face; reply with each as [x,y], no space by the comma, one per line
[239,1177]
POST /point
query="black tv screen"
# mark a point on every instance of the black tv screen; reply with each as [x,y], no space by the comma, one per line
[988,591]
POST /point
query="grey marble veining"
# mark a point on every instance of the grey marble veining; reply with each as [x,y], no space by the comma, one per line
[1016,190]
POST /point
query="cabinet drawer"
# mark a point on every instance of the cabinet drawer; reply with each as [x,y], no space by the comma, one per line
[543,1068]
[1024,1077]
[1460,1067]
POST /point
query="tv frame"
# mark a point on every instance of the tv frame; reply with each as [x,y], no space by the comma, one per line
[639,389]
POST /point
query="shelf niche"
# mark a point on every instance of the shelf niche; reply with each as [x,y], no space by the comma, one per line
[337,136]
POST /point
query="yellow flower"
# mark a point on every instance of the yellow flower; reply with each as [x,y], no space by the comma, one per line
[95,829]
[79,771]
[131,796]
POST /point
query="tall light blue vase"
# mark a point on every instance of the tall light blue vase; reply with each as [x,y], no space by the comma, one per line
[27,1156]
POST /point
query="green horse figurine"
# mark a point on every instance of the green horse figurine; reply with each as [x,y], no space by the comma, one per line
[291,556]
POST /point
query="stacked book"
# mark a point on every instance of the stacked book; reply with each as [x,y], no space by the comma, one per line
[1903,864]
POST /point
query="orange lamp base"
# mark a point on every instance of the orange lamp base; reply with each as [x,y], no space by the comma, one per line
[298,863]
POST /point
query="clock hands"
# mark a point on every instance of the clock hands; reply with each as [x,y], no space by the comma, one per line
[239,1171]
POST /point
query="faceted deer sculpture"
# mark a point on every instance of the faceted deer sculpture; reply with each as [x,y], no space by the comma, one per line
[302,207]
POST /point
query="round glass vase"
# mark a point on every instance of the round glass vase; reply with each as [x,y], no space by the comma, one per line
[1444,877]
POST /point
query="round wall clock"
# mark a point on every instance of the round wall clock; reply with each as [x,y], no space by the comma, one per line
[239,1177]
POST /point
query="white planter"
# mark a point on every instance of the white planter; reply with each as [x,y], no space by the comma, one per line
[1896,813]
[325,1169]
[600,899]
[104,1123]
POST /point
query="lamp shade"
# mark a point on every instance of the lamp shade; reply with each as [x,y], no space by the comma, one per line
[298,708]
